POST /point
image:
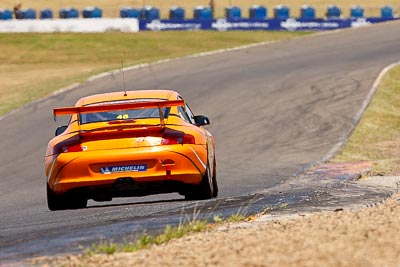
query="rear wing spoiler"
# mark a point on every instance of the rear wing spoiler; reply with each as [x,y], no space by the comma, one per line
[119,106]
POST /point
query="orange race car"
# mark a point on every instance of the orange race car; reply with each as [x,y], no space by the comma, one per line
[133,143]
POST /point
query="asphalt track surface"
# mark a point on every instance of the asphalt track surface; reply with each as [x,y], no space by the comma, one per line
[275,109]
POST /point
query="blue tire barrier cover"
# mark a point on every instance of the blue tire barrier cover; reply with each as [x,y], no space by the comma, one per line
[233,12]
[92,12]
[46,14]
[258,12]
[333,12]
[387,12]
[28,13]
[6,14]
[177,13]
[281,12]
[357,12]
[149,13]
[201,12]
[129,12]
[307,12]
[69,13]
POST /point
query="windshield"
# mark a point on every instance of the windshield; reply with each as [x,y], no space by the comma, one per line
[130,114]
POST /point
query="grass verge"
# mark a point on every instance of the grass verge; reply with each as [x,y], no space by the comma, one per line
[35,65]
[377,136]
[146,240]
[191,226]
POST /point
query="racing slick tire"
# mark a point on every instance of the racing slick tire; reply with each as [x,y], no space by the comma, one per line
[54,202]
[205,190]
[215,183]
[67,201]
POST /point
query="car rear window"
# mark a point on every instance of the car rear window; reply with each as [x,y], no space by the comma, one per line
[145,113]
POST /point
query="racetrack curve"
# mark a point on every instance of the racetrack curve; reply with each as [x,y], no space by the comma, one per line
[275,109]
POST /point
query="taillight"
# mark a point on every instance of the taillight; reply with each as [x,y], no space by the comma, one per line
[169,141]
[72,148]
[175,140]
[188,139]
[72,144]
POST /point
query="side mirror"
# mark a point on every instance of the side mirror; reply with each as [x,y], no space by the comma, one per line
[201,120]
[61,129]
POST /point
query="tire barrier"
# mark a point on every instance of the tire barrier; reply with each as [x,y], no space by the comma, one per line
[129,12]
[233,12]
[177,13]
[68,13]
[46,14]
[333,12]
[201,12]
[6,14]
[281,12]
[307,12]
[148,19]
[258,12]
[356,12]
[28,14]
[149,13]
[92,12]
[387,12]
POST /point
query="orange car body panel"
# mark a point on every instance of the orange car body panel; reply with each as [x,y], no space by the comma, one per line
[131,149]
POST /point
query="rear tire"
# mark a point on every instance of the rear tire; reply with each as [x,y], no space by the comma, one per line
[205,190]
[66,201]
[215,183]
[54,202]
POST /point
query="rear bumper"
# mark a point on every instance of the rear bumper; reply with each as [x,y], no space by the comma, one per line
[70,171]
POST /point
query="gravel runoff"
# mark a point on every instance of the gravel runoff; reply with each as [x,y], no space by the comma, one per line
[366,237]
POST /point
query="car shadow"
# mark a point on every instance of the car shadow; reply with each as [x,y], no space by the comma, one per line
[150,202]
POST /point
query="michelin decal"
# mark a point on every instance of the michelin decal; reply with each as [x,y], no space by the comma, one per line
[129,168]
[225,25]
[293,25]
[159,25]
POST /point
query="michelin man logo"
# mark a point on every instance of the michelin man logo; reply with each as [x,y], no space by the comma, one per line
[224,25]
[105,170]
[155,25]
[294,25]
[221,25]
[291,24]
[360,22]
